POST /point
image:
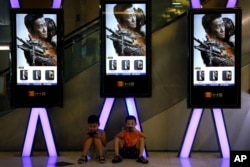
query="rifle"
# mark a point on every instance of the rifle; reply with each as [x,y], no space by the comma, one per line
[210,47]
[35,52]
[214,52]
[32,46]
[125,40]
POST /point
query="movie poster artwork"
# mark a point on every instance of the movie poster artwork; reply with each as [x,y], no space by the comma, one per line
[36,48]
[214,49]
[125,33]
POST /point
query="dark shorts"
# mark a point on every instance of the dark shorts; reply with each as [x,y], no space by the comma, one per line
[129,152]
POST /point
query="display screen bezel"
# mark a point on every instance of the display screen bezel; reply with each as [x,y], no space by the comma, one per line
[43,86]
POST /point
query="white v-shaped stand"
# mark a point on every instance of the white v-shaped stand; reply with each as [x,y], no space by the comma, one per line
[192,129]
[35,115]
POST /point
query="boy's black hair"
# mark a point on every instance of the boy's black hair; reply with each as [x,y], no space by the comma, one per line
[93,119]
[130,117]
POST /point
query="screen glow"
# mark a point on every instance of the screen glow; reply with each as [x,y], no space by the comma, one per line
[56,4]
[14,4]
[37,113]
[106,110]
[191,132]
[222,133]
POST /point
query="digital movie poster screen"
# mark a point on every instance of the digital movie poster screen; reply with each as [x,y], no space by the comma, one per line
[125,39]
[36,49]
[214,56]
[36,56]
[215,51]
[125,42]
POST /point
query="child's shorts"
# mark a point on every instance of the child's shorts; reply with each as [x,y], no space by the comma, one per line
[129,152]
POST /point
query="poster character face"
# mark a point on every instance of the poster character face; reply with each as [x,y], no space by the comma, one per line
[40,28]
[218,28]
[129,18]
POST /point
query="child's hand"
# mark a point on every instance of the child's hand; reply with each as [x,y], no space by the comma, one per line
[97,135]
[92,134]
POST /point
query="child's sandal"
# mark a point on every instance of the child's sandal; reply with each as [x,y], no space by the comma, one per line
[82,159]
[102,159]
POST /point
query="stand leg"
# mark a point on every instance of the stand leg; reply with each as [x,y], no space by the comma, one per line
[130,102]
[27,162]
[191,132]
[193,127]
[221,132]
[29,139]
[106,112]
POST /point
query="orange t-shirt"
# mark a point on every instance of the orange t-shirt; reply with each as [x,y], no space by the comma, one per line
[129,138]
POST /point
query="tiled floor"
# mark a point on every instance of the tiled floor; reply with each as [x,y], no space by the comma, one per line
[156,159]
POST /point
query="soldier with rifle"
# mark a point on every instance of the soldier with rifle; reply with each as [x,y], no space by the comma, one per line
[216,50]
[39,50]
[128,40]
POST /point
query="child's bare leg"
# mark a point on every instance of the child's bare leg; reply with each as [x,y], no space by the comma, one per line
[140,146]
[118,145]
[99,146]
[87,144]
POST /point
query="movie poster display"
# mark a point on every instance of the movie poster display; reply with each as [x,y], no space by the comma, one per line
[36,55]
[215,55]
[125,48]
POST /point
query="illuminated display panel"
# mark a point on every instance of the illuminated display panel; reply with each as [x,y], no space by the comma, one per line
[215,51]
[36,39]
[36,53]
[126,35]
[125,47]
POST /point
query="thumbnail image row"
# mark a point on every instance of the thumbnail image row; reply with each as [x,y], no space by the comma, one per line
[213,75]
[49,75]
[126,65]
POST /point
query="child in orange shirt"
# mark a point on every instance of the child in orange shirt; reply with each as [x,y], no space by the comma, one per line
[129,143]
